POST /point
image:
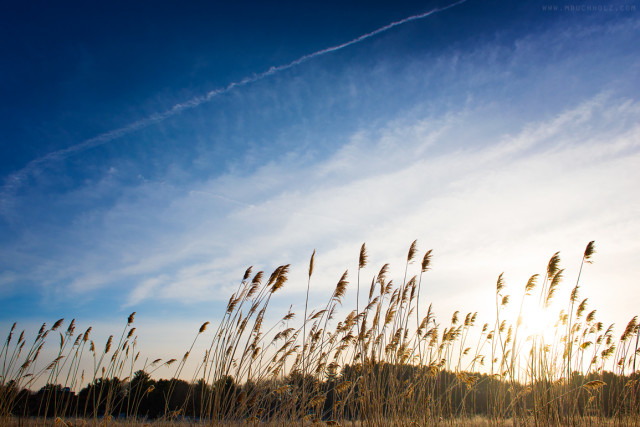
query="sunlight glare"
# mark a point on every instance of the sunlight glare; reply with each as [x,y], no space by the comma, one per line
[539,321]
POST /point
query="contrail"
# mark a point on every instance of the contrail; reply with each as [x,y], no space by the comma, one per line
[13,181]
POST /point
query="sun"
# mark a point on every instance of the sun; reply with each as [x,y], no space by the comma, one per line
[538,321]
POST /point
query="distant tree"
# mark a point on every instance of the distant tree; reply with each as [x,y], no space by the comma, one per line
[102,397]
[139,387]
[220,403]
[53,400]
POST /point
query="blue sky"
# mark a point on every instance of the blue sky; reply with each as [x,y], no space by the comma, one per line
[496,133]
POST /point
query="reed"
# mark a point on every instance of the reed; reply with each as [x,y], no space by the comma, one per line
[379,364]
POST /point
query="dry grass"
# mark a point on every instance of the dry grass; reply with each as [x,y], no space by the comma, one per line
[381,364]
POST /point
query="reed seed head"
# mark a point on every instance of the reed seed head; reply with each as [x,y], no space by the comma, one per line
[72,327]
[426,261]
[500,283]
[257,278]
[57,324]
[454,318]
[341,287]
[589,251]
[362,260]
[412,251]
[203,327]
[553,265]
[108,346]
[557,277]
[247,273]
[531,284]
[280,278]
[594,385]
[42,328]
[581,308]
[382,274]
[630,329]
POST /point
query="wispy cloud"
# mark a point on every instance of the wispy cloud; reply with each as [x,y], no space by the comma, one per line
[14,181]
[490,182]
[468,203]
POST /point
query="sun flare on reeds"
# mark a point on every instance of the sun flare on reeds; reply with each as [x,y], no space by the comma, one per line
[378,364]
[537,321]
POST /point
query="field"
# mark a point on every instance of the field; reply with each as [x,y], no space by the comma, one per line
[388,361]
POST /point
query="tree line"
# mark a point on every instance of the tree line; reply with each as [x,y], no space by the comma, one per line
[398,389]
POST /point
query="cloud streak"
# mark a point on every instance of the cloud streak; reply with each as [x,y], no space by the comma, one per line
[472,201]
[14,181]
[464,150]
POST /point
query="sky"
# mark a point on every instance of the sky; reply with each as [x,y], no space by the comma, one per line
[151,152]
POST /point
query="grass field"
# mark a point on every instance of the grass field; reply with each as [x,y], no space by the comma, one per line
[388,361]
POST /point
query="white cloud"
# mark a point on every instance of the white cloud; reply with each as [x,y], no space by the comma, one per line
[487,187]
[145,290]
[498,202]
[505,205]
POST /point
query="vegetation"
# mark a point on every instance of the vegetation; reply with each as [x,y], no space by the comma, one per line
[389,361]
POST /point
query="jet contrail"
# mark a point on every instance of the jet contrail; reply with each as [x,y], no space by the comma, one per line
[13,181]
